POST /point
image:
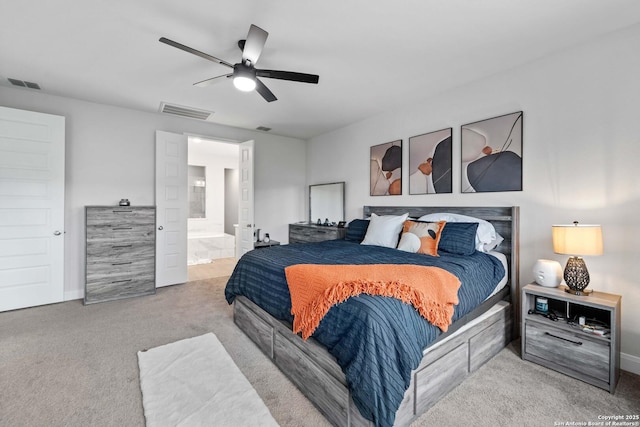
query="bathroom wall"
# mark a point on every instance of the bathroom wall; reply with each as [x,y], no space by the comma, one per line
[215,157]
[209,237]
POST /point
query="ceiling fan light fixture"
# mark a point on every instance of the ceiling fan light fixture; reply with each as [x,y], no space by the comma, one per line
[244,77]
[243,83]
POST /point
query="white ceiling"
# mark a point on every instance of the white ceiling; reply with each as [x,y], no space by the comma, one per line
[371,55]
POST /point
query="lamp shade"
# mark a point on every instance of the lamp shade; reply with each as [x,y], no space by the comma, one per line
[577,239]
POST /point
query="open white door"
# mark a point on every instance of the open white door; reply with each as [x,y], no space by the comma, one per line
[245,201]
[171,205]
[32,149]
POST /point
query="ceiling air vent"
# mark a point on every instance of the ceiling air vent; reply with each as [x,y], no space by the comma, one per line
[263,128]
[23,83]
[182,111]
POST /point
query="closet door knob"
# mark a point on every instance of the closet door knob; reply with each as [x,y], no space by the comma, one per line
[160,228]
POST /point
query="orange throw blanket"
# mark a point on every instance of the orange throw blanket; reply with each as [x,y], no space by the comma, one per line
[315,288]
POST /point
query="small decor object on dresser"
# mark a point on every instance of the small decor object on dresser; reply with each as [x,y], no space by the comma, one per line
[120,252]
[266,243]
[124,202]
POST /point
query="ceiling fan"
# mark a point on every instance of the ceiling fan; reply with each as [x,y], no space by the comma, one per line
[245,74]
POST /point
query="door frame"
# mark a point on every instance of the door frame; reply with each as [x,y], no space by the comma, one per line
[251,220]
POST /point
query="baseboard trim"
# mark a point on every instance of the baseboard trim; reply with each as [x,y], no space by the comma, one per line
[71,295]
[630,363]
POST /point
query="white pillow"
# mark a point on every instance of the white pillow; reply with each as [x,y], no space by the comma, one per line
[409,242]
[384,230]
[487,238]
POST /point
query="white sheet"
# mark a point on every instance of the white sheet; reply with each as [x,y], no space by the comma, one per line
[501,284]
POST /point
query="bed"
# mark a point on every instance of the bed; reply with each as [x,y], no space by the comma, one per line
[354,376]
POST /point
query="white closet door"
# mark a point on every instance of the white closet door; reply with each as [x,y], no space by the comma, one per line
[172,205]
[32,149]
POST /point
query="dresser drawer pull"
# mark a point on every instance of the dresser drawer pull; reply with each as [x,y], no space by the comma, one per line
[121,246]
[121,281]
[321,231]
[564,339]
[121,211]
[121,263]
[122,228]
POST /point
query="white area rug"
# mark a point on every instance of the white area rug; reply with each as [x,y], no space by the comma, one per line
[194,382]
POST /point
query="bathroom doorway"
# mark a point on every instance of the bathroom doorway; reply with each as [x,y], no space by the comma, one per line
[213,188]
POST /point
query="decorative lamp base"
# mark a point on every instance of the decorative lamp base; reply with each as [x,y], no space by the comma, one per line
[576,276]
[584,292]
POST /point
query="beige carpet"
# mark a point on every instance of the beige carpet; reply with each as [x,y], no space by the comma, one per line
[73,365]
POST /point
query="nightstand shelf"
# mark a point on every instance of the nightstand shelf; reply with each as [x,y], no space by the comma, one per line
[563,345]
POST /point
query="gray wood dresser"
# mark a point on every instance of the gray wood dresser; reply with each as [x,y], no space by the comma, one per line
[120,252]
[306,233]
[562,344]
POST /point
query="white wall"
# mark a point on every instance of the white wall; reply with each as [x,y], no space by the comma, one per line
[283,200]
[110,154]
[581,158]
[215,156]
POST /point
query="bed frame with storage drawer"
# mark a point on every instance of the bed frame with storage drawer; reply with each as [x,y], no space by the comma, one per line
[471,341]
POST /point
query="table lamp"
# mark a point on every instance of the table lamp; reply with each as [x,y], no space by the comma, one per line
[577,239]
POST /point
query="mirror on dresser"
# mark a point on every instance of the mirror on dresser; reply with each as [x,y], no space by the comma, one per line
[326,201]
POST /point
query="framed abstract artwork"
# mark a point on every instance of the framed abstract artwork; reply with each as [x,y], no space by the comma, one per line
[430,163]
[386,169]
[492,154]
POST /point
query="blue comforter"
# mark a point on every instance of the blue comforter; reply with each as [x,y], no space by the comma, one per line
[377,341]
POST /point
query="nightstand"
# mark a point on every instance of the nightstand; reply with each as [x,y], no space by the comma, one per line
[305,233]
[561,343]
[261,244]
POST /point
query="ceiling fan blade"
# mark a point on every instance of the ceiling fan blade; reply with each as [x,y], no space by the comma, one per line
[288,75]
[265,92]
[212,80]
[195,52]
[254,44]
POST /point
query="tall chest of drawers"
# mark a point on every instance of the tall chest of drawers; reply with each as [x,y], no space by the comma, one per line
[120,252]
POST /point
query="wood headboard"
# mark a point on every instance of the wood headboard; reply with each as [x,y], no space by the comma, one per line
[505,219]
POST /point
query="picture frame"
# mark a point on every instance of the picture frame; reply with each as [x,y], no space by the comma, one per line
[491,154]
[430,162]
[385,160]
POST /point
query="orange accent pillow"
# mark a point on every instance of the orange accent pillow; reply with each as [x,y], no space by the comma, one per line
[429,234]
